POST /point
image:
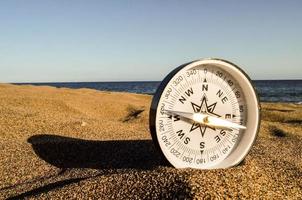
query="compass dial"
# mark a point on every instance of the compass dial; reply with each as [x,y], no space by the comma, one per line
[205,114]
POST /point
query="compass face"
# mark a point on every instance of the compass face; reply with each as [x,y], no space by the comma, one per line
[205,114]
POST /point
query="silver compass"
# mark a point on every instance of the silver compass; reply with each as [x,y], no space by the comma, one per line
[205,114]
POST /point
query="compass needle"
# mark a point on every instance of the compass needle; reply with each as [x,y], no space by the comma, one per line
[207,120]
[205,115]
[214,121]
[182,114]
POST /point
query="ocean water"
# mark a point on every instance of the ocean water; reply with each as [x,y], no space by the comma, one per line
[268,90]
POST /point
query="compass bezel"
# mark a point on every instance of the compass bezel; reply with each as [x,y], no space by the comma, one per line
[252,100]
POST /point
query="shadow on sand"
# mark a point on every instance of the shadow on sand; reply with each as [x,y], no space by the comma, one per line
[65,152]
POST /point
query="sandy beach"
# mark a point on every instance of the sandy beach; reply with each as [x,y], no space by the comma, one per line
[87,144]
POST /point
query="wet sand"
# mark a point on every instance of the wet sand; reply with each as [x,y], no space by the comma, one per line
[82,143]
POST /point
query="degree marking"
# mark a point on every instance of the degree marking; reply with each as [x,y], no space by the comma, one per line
[223,80]
[186,81]
[171,145]
[170,138]
[191,80]
[212,73]
[182,88]
[198,77]
[194,157]
[231,143]
[165,132]
[167,102]
[222,143]
[173,97]
[219,148]
[175,89]
[182,152]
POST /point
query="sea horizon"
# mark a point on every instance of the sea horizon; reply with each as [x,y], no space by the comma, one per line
[123,81]
[277,90]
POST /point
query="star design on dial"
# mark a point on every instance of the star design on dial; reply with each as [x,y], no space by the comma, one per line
[205,109]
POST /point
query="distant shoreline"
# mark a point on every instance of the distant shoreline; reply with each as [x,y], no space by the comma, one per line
[125,81]
[289,91]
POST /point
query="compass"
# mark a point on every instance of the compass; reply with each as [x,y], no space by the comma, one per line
[205,114]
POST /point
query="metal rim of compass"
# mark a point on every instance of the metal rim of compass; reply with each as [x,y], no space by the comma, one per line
[232,159]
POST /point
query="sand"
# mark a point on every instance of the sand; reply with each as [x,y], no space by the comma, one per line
[87,144]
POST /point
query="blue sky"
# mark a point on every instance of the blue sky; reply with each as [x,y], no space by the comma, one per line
[144,40]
